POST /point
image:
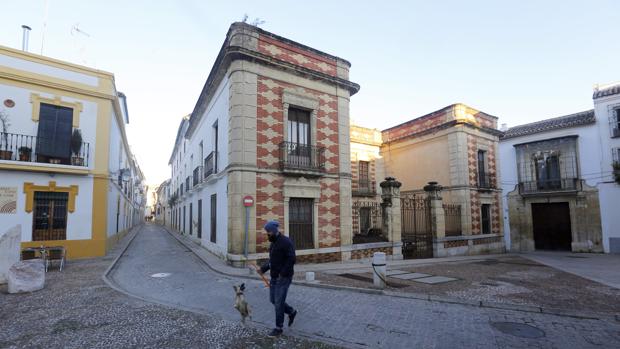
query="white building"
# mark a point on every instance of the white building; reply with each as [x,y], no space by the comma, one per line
[559,188]
[57,188]
[607,110]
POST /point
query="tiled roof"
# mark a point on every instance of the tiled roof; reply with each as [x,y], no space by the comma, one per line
[572,120]
[611,90]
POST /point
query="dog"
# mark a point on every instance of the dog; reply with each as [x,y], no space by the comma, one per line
[240,303]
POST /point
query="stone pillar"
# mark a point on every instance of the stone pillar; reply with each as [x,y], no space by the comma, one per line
[437,216]
[390,207]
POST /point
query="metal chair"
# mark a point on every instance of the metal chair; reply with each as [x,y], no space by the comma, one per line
[55,254]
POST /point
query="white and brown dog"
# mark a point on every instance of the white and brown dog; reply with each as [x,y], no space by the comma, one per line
[240,303]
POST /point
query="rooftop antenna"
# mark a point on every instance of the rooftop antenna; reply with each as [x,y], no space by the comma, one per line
[75,32]
[44,25]
[26,31]
[76,29]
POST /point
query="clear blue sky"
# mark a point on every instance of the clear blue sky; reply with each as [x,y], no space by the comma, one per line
[519,60]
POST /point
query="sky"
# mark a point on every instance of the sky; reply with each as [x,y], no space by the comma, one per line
[521,61]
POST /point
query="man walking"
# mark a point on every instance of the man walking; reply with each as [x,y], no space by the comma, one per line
[281,261]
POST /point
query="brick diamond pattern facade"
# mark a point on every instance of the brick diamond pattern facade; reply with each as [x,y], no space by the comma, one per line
[329,213]
[472,162]
[291,54]
[269,205]
[414,126]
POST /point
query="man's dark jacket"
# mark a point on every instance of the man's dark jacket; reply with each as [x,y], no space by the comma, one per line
[281,258]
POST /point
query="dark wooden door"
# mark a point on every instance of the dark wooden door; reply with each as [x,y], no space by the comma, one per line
[200,219]
[552,229]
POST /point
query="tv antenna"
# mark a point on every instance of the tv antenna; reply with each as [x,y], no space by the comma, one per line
[76,29]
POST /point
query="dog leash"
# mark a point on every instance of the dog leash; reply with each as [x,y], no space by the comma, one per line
[261,274]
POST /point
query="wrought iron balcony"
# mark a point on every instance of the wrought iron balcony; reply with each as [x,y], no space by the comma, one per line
[550,186]
[364,188]
[197,175]
[210,164]
[486,180]
[301,158]
[18,147]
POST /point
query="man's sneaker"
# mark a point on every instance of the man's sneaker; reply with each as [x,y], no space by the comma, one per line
[291,318]
[276,332]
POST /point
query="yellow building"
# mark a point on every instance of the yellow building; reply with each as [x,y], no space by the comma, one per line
[67,175]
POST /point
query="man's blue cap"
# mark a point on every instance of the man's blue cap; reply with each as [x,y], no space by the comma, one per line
[272,227]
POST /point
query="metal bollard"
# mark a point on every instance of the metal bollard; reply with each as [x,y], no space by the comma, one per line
[378,267]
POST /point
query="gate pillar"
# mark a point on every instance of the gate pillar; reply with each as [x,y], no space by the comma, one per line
[437,215]
[390,206]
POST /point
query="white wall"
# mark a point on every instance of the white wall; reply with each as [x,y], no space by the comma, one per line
[79,223]
[43,69]
[609,191]
[588,152]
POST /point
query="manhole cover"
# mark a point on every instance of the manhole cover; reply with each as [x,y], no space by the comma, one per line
[160,275]
[518,329]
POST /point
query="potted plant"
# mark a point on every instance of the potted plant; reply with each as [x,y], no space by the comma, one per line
[76,146]
[24,153]
[616,166]
[5,152]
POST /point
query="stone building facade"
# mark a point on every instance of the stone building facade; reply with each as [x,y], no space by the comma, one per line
[273,118]
[456,147]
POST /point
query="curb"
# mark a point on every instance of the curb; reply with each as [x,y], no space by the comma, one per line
[422,296]
[258,325]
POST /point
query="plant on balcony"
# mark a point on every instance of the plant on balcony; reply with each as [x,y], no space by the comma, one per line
[5,153]
[76,147]
[616,166]
[24,153]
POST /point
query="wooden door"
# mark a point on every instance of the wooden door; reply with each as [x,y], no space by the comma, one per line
[551,225]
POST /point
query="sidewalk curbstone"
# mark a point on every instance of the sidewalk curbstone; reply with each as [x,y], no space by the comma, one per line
[511,306]
[198,251]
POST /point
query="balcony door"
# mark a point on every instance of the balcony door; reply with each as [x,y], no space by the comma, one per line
[548,173]
[54,134]
[299,137]
[50,216]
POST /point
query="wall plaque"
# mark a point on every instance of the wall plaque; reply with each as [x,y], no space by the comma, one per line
[8,200]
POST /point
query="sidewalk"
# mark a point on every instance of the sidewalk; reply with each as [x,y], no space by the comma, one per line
[473,288]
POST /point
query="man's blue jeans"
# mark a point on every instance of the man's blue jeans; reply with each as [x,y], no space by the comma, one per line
[277,296]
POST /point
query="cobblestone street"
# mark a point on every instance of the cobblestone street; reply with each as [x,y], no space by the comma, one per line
[351,319]
[77,309]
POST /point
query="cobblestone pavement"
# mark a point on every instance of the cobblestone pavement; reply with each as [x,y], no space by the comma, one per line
[510,280]
[76,309]
[350,318]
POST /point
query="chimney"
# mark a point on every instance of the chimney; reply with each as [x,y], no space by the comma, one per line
[25,37]
[504,128]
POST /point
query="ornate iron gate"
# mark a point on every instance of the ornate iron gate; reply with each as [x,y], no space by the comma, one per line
[49,216]
[417,235]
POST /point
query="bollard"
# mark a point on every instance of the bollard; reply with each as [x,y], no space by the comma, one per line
[378,267]
[310,276]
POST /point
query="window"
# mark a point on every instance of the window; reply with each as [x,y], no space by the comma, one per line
[215,146]
[548,172]
[50,216]
[482,175]
[301,223]
[199,233]
[191,219]
[299,126]
[54,134]
[214,218]
[184,217]
[364,175]
[485,212]
[365,223]
[615,122]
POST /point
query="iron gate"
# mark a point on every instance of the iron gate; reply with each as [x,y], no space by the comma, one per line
[417,235]
[50,216]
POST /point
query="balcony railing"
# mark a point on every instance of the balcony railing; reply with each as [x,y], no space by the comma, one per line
[301,157]
[486,180]
[197,176]
[364,188]
[18,147]
[210,164]
[550,185]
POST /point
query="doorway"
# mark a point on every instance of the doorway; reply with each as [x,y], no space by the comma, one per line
[551,225]
[50,216]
